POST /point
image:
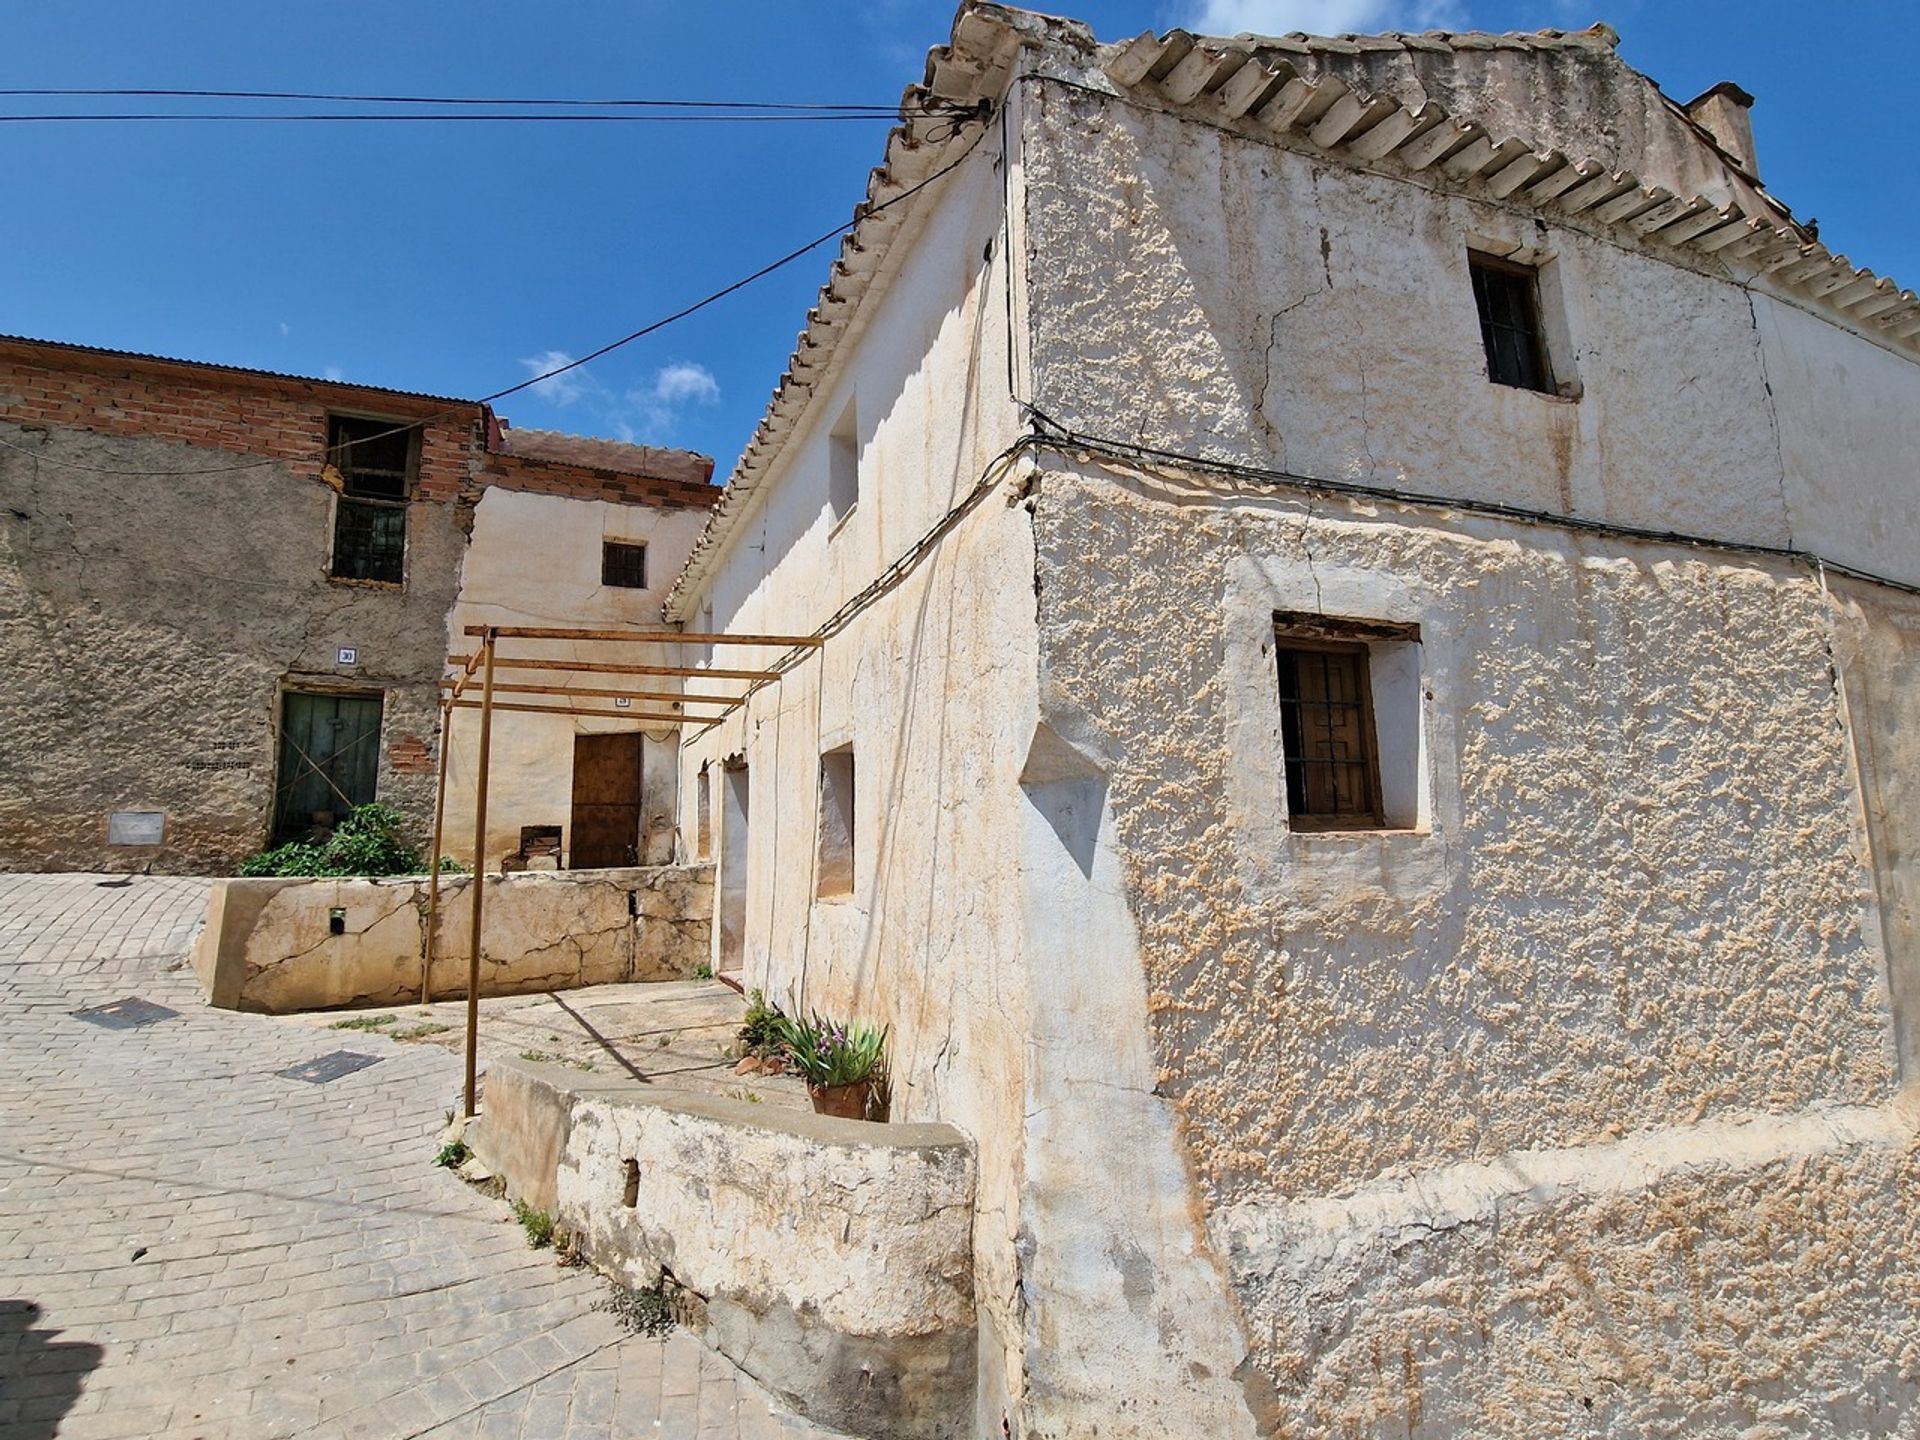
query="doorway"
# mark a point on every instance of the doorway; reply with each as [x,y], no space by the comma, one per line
[606,801]
[329,760]
[735,806]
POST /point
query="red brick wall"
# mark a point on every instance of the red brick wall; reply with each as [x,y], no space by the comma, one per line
[285,419]
[252,416]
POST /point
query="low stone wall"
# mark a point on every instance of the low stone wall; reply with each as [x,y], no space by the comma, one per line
[832,1258]
[270,944]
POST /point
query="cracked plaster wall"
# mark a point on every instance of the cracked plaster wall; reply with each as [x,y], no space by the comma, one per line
[150,623]
[861,1314]
[932,685]
[1642,907]
[268,945]
[1208,293]
[1573,1107]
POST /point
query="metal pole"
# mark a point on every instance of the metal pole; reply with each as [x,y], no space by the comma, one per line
[479,877]
[433,859]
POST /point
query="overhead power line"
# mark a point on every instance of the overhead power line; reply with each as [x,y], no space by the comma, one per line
[765,270]
[701,117]
[605,104]
[458,108]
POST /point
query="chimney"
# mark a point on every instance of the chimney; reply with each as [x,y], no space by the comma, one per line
[1722,113]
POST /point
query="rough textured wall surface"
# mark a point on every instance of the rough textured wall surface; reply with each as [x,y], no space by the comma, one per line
[932,686]
[150,623]
[862,1316]
[268,943]
[1283,310]
[1639,905]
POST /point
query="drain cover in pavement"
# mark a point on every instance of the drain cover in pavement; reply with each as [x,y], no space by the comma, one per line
[329,1067]
[127,1014]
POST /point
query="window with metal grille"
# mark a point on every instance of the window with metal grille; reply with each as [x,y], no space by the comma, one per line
[375,460]
[623,564]
[1508,297]
[1327,735]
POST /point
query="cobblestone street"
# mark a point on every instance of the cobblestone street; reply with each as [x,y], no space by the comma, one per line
[194,1245]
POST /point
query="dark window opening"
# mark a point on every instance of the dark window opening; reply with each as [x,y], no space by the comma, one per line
[623,565]
[1508,297]
[375,460]
[1326,733]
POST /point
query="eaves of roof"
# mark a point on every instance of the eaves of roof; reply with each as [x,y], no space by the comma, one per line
[211,369]
[974,65]
[1253,81]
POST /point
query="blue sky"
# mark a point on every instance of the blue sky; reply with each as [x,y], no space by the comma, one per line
[448,259]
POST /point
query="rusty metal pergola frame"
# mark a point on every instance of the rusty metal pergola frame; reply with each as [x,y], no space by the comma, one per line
[479,667]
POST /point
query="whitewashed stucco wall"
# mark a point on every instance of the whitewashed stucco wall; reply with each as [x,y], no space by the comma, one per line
[1277,309]
[1557,1107]
[1484,1115]
[932,684]
[535,560]
[1563,1106]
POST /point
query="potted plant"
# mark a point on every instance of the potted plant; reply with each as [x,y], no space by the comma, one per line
[840,1063]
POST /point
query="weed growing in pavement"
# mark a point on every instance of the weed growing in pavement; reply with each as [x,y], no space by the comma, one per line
[537,1223]
[647,1311]
[363,1022]
[420,1031]
[703,971]
[453,1153]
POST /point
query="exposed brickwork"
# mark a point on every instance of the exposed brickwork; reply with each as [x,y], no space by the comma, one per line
[280,417]
[594,453]
[260,416]
[409,755]
[583,482]
[167,533]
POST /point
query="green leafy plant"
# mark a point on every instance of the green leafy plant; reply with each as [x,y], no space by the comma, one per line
[363,1022]
[828,1053]
[760,1032]
[420,1031]
[646,1311]
[537,1223]
[366,842]
[453,1153]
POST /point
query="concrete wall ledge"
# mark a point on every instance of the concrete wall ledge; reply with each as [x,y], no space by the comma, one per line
[269,944]
[833,1257]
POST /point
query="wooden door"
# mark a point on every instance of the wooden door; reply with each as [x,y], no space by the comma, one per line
[329,760]
[606,801]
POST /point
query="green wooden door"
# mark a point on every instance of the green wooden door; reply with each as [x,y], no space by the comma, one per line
[329,760]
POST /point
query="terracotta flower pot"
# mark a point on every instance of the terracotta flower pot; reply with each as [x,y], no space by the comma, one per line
[848,1102]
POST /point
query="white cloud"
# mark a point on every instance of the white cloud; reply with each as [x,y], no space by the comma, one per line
[1320,17]
[657,404]
[684,380]
[333,372]
[285,329]
[564,389]
[649,411]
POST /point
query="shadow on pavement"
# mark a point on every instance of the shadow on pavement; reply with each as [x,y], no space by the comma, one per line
[40,1377]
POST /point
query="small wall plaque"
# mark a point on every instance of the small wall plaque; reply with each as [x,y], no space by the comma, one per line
[136,827]
[348,655]
[621,702]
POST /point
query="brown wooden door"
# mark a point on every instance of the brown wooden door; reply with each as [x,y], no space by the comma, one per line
[606,800]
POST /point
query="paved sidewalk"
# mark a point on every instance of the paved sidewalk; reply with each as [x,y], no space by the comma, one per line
[193,1245]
